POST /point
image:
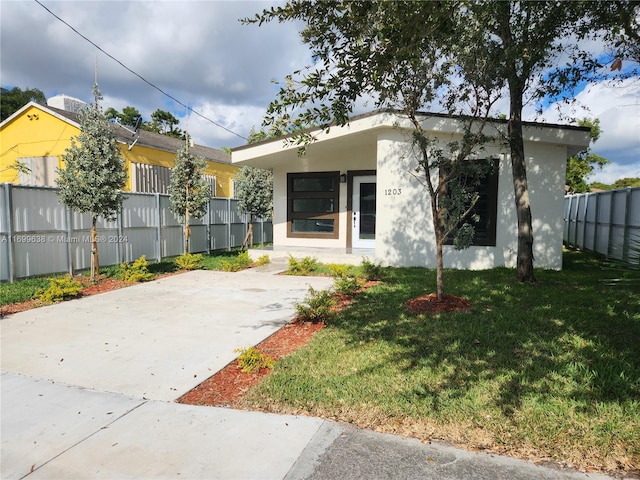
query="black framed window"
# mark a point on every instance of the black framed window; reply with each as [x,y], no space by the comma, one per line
[486,208]
[312,204]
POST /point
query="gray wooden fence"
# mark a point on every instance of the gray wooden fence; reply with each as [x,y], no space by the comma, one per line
[604,222]
[40,236]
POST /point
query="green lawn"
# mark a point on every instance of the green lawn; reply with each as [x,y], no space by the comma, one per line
[545,371]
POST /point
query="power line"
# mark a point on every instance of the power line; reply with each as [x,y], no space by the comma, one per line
[140,76]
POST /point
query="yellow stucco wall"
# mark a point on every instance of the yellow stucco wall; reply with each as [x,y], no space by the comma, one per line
[140,154]
[38,133]
[35,133]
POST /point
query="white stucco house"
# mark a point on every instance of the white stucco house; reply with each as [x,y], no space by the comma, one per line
[354,191]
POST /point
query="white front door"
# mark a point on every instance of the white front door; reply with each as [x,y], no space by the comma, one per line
[364,212]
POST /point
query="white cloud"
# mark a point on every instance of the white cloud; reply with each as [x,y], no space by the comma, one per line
[617,105]
[199,53]
[196,51]
[614,171]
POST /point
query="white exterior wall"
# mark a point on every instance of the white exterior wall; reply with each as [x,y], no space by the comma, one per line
[341,160]
[404,227]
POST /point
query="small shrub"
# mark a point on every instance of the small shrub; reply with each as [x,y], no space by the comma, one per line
[137,271]
[243,259]
[338,270]
[347,285]
[263,260]
[252,360]
[370,270]
[301,267]
[343,281]
[60,289]
[241,262]
[189,261]
[317,305]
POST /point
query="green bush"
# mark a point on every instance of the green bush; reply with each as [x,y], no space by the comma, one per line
[347,285]
[263,260]
[370,270]
[343,281]
[252,360]
[189,261]
[60,289]
[137,271]
[241,262]
[338,270]
[301,267]
[317,305]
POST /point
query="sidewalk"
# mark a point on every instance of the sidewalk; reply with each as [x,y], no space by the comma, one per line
[88,389]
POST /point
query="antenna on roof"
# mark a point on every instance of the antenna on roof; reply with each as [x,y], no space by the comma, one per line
[134,133]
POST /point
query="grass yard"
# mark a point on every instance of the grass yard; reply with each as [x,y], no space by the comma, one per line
[548,371]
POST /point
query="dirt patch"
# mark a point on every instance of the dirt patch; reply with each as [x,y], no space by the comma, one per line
[431,304]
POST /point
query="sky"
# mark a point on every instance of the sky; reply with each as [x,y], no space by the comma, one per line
[200,54]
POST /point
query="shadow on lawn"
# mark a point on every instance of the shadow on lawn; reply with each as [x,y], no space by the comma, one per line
[568,336]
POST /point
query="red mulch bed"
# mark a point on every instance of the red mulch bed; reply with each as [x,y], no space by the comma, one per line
[225,387]
[431,304]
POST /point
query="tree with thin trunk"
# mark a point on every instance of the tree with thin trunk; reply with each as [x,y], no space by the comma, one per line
[541,51]
[388,51]
[253,187]
[189,192]
[94,173]
[536,50]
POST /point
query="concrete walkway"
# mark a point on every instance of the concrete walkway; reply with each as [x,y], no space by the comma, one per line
[88,389]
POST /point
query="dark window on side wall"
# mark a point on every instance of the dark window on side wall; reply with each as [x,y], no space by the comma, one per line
[312,204]
[486,208]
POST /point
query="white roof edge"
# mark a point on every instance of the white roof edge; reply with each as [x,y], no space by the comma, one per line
[575,139]
[44,108]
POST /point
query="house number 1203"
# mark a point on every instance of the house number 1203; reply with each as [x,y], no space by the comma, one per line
[392,191]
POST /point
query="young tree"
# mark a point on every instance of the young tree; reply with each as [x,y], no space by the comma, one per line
[93,172]
[517,43]
[396,53]
[581,166]
[253,188]
[189,193]
[540,50]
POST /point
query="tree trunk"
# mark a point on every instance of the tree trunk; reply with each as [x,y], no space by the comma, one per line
[248,237]
[438,228]
[187,229]
[520,186]
[187,235]
[95,262]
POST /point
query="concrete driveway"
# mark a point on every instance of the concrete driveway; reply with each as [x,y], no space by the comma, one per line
[154,340]
[88,387]
[87,384]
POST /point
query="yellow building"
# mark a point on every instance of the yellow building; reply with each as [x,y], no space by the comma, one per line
[37,137]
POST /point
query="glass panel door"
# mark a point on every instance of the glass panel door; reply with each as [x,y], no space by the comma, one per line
[364,212]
